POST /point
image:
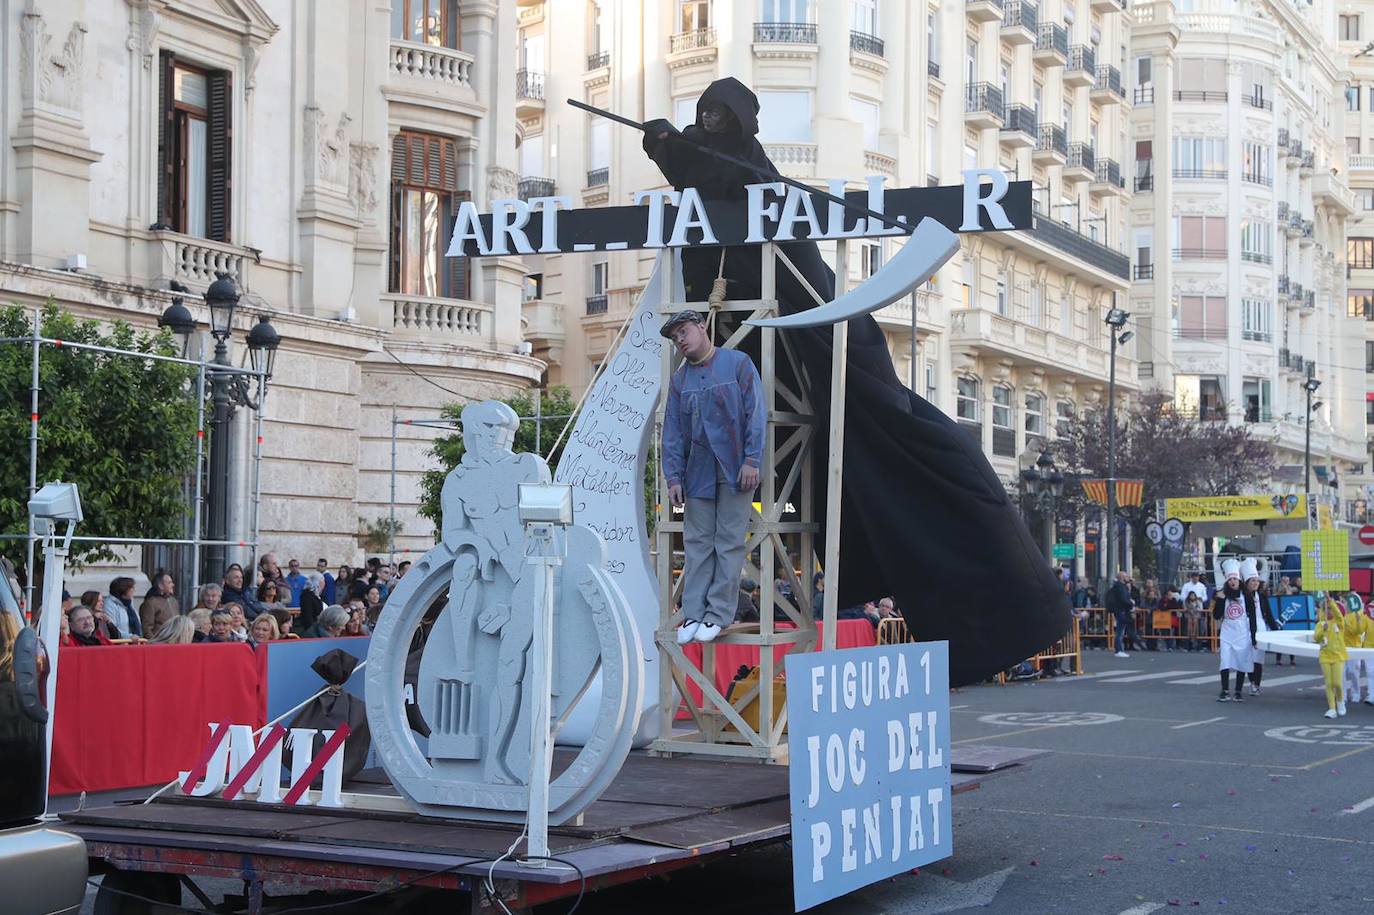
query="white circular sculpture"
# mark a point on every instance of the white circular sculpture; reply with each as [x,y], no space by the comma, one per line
[473,688]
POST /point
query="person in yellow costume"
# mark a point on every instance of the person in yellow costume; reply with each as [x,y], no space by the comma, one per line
[1359,633]
[1330,635]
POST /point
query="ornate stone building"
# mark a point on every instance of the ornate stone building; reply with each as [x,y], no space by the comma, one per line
[314,151]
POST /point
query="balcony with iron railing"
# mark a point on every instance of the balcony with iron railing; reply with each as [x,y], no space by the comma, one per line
[1081,164]
[1309,161]
[529,85]
[785,33]
[1081,70]
[1199,95]
[1256,177]
[1281,211]
[598,176]
[1051,44]
[1082,247]
[983,105]
[694,40]
[1144,271]
[1143,95]
[1284,284]
[1257,100]
[1294,152]
[1052,145]
[1194,332]
[1020,22]
[1283,138]
[1256,257]
[531,187]
[1199,254]
[1309,300]
[865,43]
[1107,88]
[1020,128]
[983,10]
[1200,174]
[1144,175]
[933,68]
[1108,179]
[597,304]
[598,59]
[1307,235]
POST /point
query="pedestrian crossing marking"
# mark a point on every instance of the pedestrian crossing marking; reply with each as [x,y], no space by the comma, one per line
[1102,673]
[1284,681]
[1195,681]
[1139,678]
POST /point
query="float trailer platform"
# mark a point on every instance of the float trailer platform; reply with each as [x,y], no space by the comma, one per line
[639,828]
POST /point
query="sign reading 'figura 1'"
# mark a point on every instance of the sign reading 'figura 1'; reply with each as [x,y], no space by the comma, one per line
[772,211]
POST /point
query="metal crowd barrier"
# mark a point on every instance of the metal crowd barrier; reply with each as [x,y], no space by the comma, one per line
[1100,626]
[1067,649]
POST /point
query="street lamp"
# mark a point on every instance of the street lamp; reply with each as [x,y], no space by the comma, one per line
[1116,319]
[229,390]
[178,318]
[1044,484]
[1310,386]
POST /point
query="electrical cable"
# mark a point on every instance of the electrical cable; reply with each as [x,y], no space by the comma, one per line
[463,397]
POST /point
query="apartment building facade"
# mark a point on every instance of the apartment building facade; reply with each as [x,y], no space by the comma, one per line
[1238,224]
[312,150]
[1009,338]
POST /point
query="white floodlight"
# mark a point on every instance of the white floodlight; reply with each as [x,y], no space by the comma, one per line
[546,503]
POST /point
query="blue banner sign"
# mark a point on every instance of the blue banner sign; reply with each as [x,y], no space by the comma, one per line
[870,765]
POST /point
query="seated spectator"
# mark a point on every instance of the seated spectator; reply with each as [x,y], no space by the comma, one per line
[221,627]
[81,621]
[746,611]
[270,596]
[238,623]
[330,625]
[887,609]
[119,606]
[296,581]
[312,599]
[236,592]
[200,622]
[95,602]
[160,604]
[818,595]
[179,630]
[284,624]
[211,595]
[357,622]
[264,629]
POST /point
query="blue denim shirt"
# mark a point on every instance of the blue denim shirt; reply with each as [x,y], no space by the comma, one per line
[713,423]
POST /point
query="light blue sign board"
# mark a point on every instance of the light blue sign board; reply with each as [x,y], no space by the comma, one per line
[290,681]
[1294,611]
[870,765]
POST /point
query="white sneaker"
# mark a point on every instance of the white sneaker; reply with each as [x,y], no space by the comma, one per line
[687,631]
[1121,654]
[707,632]
[1340,708]
[1330,713]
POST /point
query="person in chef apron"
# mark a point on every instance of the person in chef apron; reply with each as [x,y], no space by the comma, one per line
[1236,618]
[1264,621]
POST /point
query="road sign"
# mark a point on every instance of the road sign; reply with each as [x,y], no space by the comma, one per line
[1064,551]
[1367,535]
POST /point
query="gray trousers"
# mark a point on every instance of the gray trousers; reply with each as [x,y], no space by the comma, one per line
[713,540]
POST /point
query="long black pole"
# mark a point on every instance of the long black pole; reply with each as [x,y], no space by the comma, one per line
[762,174]
[1111,467]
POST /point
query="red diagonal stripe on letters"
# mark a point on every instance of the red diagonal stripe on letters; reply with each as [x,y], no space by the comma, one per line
[198,771]
[274,737]
[331,746]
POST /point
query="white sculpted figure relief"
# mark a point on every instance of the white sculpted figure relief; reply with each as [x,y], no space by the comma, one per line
[474,678]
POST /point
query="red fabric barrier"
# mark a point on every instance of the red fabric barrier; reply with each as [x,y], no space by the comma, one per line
[729,658]
[135,715]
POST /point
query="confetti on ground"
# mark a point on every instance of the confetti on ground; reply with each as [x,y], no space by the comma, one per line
[1112,858]
[1202,855]
[1180,844]
[1180,804]
[1175,902]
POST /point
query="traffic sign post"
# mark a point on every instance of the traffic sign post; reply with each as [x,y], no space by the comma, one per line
[1366,535]
[1064,551]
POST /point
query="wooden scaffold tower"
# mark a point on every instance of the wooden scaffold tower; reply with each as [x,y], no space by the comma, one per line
[782,535]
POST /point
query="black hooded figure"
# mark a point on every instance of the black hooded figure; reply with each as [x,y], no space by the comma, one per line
[925,519]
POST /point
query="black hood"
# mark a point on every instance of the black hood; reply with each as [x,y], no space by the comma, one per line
[736,96]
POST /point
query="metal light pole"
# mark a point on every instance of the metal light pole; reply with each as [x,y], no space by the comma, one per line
[1044,484]
[1116,319]
[1310,386]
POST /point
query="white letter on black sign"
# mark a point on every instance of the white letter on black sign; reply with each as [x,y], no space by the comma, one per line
[548,208]
[758,212]
[654,235]
[508,220]
[973,186]
[692,215]
[467,227]
[797,201]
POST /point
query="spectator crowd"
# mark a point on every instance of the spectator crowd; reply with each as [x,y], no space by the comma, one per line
[268,606]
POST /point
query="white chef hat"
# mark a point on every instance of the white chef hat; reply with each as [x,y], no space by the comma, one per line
[1249,569]
[1230,568]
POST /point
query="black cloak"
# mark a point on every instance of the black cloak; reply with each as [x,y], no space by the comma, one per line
[335,707]
[925,518]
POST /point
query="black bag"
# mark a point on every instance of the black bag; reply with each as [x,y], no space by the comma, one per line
[335,707]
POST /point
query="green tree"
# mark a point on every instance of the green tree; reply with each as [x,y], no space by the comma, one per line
[556,402]
[122,428]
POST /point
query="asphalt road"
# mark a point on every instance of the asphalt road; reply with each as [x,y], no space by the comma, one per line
[1155,798]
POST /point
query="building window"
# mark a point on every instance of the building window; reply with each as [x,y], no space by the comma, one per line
[1350,27]
[863,16]
[1201,317]
[1369,356]
[784,117]
[1255,393]
[932,381]
[424,201]
[1359,253]
[1003,429]
[1352,98]
[194,150]
[1256,320]
[1352,146]
[432,22]
[933,39]
[1257,164]
[1257,242]
[694,15]
[1365,196]
[866,113]
[1359,303]
[534,288]
[872,257]
[795,11]
[1063,418]
[1200,237]
[970,278]
[1035,414]
[966,400]
[1200,157]
[1001,296]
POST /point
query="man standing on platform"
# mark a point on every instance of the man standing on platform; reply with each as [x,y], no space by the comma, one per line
[713,431]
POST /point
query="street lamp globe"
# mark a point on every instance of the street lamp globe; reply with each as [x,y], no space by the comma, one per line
[178,318]
[263,341]
[222,298]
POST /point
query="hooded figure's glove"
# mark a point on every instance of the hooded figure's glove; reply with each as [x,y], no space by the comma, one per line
[652,131]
